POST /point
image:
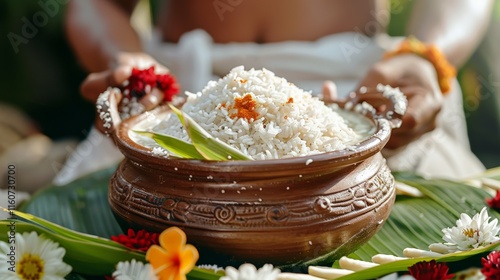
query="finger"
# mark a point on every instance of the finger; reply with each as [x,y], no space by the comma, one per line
[409,123]
[329,91]
[114,99]
[422,110]
[152,100]
[378,74]
[376,100]
[96,83]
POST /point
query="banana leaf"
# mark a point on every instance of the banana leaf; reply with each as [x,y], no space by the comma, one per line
[81,205]
[78,217]
[417,222]
[414,222]
[86,255]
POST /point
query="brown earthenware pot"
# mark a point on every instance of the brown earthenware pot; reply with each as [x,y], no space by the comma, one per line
[265,211]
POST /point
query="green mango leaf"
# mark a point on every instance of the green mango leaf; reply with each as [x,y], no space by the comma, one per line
[211,148]
[174,145]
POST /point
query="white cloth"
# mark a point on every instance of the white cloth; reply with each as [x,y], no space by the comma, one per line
[344,58]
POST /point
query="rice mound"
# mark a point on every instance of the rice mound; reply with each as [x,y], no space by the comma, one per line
[264,116]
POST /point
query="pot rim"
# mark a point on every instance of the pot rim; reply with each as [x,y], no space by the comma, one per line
[353,154]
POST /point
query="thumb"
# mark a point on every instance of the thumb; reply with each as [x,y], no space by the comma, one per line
[329,91]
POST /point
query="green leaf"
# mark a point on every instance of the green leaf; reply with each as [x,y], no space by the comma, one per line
[202,274]
[89,257]
[417,223]
[81,205]
[174,145]
[57,229]
[414,222]
[211,148]
[403,265]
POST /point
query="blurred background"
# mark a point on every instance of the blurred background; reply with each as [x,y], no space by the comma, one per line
[43,116]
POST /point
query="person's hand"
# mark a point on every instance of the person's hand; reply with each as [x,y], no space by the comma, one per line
[416,78]
[120,71]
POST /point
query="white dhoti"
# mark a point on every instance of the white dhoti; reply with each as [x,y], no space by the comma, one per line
[343,58]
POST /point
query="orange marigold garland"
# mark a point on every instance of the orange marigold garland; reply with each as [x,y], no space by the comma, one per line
[445,71]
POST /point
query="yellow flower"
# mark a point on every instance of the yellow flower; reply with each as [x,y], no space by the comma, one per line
[174,259]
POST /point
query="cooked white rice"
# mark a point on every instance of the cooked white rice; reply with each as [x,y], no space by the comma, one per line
[285,121]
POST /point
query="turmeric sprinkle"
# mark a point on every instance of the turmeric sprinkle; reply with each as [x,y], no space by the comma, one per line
[290,100]
[245,107]
[243,81]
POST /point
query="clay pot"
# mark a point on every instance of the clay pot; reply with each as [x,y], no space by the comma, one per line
[265,211]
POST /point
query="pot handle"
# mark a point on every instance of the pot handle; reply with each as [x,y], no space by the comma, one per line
[108,117]
[391,103]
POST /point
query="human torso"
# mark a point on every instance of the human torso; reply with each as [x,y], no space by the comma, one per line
[265,21]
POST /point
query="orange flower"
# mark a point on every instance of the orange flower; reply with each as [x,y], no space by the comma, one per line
[174,259]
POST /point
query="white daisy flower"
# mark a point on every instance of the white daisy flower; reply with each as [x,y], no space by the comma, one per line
[134,270]
[211,267]
[30,256]
[471,233]
[248,271]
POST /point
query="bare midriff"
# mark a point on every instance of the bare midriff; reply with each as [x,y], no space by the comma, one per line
[265,21]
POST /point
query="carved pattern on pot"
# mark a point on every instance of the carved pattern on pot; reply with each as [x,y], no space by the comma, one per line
[174,210]
[278,214]
[224,214]
[202,212]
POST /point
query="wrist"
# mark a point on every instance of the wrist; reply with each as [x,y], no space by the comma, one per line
[445,71]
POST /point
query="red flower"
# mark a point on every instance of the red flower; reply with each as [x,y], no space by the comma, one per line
[430,271]
[141,240]
[491,265]
[141,82]
[494,202]
[168,85]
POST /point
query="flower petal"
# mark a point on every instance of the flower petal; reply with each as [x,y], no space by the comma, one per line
[171,273]
[189,256]
[173,239]
[157,256]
